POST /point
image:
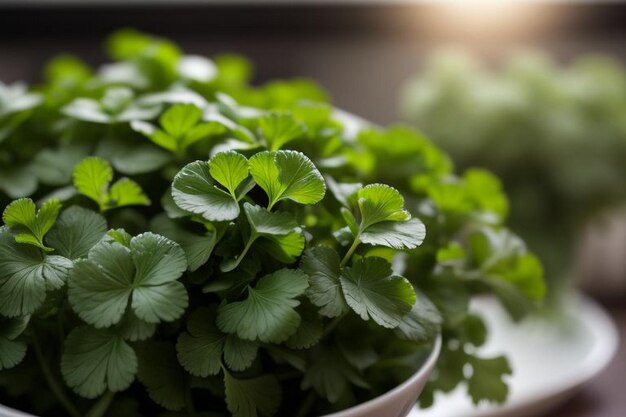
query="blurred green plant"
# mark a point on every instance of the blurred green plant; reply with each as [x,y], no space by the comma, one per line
[177,241]
[556,136]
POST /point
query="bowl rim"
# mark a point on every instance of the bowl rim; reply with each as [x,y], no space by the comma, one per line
[422,373]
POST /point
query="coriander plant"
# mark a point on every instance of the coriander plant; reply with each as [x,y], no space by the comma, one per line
[177,241]
[555,135]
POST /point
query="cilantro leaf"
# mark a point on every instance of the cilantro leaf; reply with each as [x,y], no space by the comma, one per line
[381,203]
[195,191]
[287,175]
[26,274]
[180,118]
[423,322]
[252,397]
[397,235]
[321,264]
[200,350]
[310,330]
[76,232]
[268,313]
[181,128]
[279,234]
[96,360]
[92,177]
[485,382]
[117,105]
[198,248]
[12,351]
[374,293]
[144,274]
[160,373]
[329,373]
[280,128]
[131,158]
[30,227]
[383,220]
[133,328]
[238,353]
[230,169]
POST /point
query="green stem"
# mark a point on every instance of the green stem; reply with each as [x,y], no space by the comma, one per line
[331,326]
[350,252]
[55,386]
[244,252]
[307,404]
[102,405]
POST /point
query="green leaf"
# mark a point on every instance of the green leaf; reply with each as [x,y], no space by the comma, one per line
[329,374]
[12,351]
[252,397]
[133,329]
[310,330]
[423,322]
[131,158]
[96,360]
[230,169]
[18,181]
[30,227]
[198,248]
[195,191]
[126,192]
[373,292]
[54,166]
[485,382]
[180,118]
[26,274]
[397,235]
[144,275]
[268,313]
[159,372]
[279,233]
[200,350]
[287,175]
[280,128]
[238,353]
[182,128]
[321,264]
[92,177]
[76,232]
[380,203]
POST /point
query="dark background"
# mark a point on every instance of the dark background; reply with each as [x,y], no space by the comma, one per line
[362,53]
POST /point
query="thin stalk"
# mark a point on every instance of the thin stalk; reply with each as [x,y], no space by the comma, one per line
[102,405]
[350,252]
[55,386]
[244,252]
[331,326]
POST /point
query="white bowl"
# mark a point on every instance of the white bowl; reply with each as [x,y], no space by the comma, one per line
[395,403]
[399,401]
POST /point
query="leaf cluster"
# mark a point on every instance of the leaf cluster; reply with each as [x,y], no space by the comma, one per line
[188,244]
[553,133]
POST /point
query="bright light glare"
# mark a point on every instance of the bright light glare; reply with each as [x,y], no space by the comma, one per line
[489,17]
